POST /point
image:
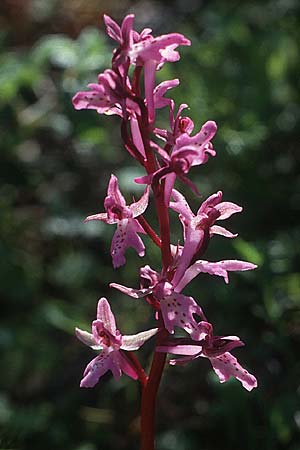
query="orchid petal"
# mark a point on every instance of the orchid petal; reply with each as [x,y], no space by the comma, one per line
[158,96]
[136,136]
[149,77]
[101,216]
[114,192]
[135,341]
[139,207]
[96,368]
[216,229]
[134,293]
[210,202]
[87,338]
[112,28]
[180,205]
[226,209]
[218,268]
[126,30]
[106,316]
[177,310]
[227,366]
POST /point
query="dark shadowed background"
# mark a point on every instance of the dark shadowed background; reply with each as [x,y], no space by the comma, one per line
[242,71]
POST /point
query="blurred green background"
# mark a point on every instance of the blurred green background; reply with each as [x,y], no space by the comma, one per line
[242,71]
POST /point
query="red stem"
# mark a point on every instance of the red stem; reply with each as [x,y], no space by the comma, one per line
[149,397]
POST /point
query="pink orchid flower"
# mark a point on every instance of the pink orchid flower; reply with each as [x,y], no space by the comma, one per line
[187,152]
[200,227]
[108,96]
[117,212]
[144,50]
[216,349]
[177,309]
[112,344]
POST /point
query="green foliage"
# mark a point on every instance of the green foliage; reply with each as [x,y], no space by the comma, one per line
[242,71]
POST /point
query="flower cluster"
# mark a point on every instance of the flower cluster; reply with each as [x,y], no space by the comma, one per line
[119,91]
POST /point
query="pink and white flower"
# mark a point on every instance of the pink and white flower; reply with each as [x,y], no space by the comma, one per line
[124,216]
[107,339]
[216,349]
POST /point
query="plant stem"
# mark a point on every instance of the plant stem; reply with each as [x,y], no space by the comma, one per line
[149,398]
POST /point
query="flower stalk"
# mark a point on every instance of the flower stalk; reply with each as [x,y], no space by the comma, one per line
[116,92]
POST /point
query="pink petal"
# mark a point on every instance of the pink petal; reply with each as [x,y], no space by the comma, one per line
[96,368]
[169,184]
[227,366]
[177,310]
[216,229]
[159,49]
[134,293]
[126,30]
[226,209]
[180,205]
[159,100]
[140,206]
[105,315]
[113,191]
[101,216]
[126,236]
[210,202]
[93,100]
[218,268]
[180,346]
[193,240]
[135,341]
[136,136]
[87,338]
[149,77]
[112,28]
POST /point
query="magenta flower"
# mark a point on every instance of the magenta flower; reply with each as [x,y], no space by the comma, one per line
[216,349]
[106,338]
[187,152]
[177,309]
[117,212]
[200,227]
[107,97]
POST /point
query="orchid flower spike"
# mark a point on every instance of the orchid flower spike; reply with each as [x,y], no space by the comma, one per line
[112,346]
[124,216]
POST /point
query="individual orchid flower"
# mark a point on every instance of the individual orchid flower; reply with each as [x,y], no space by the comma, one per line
[200,227]
[187,152]
[216,349]
[113,346]
[108,96]
[177,310]
[124,216]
